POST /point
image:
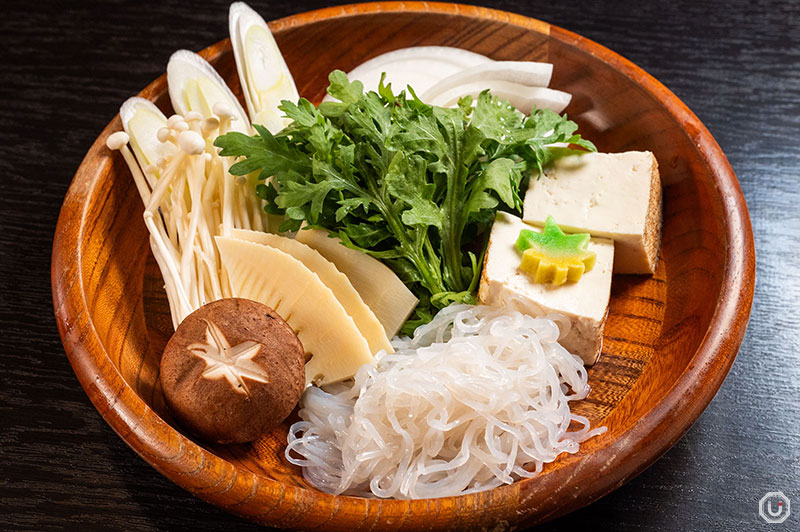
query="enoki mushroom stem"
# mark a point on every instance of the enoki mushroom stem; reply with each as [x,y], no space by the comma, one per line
[189,198]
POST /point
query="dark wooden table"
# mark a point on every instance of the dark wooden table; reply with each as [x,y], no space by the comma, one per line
[67,66]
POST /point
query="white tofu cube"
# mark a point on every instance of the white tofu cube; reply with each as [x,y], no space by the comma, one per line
[584,303]
[609,195]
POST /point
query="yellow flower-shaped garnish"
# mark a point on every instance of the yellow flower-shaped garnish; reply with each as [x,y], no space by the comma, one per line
[553,256]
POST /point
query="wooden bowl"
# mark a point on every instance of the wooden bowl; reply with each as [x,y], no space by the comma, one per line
[669,340]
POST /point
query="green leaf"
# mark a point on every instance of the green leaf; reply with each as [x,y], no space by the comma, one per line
[342,89]
[405,269]
[348,205]
[366,236]
[263,153]
[385,91]
[496,119]
[442,299]
[333,109]
[406,182]
[421,315]
[268,193]
[303,113]
[465,104]
[418,135]
[502,177]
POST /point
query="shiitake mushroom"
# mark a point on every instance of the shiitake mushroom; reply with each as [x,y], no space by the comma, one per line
[232,371]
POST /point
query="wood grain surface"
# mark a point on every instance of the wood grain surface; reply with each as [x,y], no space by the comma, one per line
[63,466]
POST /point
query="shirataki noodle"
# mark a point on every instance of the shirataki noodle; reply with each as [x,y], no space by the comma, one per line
[476,399]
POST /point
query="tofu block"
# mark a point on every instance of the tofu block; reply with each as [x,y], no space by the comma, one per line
[584,303]
[609,195]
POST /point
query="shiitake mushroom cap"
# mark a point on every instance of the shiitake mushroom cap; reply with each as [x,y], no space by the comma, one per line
[232,371]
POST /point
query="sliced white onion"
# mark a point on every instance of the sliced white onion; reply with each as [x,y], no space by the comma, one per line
[418,66]
[194,85]
[527,73]
[520,96]
[265,78]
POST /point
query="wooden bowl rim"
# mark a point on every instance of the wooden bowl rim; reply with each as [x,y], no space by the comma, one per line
[133,420]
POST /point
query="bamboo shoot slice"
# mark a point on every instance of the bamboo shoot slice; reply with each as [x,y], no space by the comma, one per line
[340,285]
[379,287]
[283,283]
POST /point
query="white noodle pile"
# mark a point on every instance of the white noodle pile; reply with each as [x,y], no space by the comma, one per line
[478,398]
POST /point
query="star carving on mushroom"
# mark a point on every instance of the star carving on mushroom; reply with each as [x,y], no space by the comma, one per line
[232,363]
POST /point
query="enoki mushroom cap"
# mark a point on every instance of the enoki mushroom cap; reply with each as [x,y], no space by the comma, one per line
[117,140]
[222,110]
[209,125]
[163,134]
[191,142]
[174,119]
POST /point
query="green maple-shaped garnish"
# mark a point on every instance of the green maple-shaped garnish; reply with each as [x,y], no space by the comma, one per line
[553,256]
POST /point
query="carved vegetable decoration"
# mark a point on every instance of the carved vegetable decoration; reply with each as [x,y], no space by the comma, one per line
[234,363]
[553,256]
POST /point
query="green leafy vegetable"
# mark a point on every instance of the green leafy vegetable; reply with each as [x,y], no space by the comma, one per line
[413,185]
